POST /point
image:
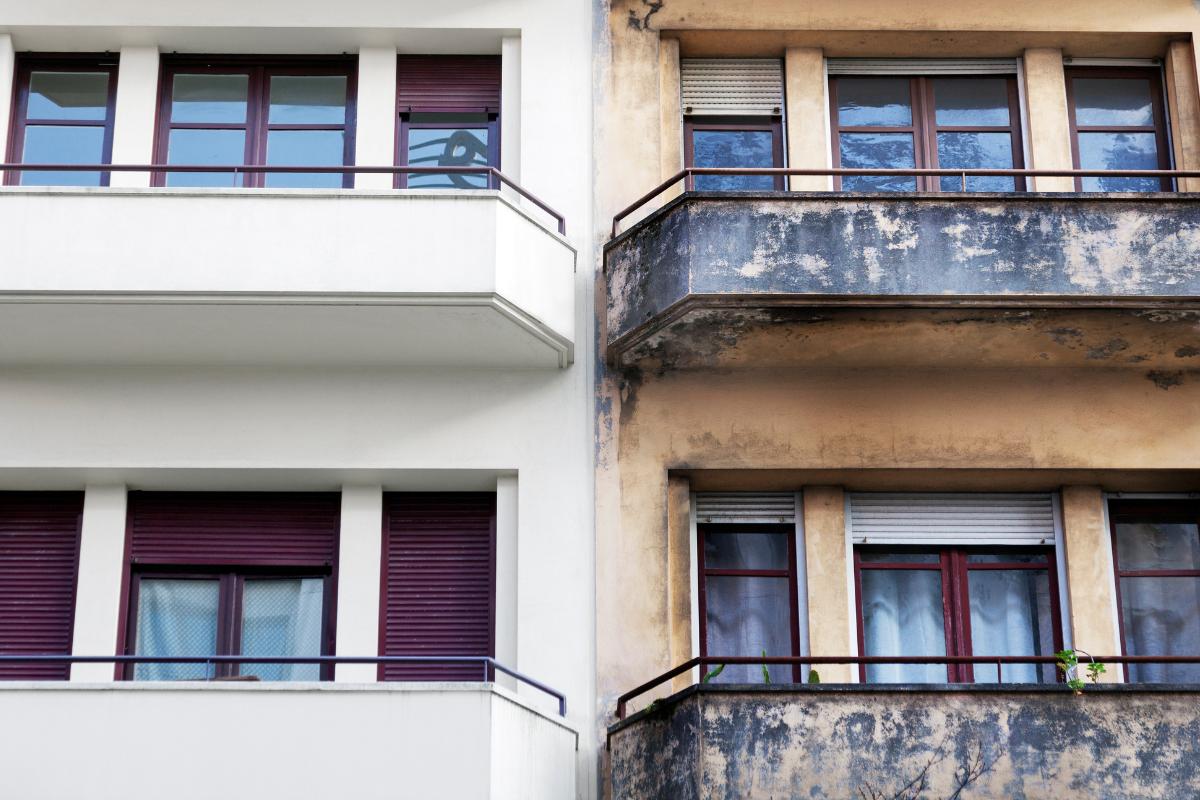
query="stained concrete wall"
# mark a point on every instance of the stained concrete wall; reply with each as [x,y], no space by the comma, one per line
[764,742]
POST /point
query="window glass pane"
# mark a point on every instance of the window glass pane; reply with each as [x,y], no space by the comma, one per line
[972,102]
[209,98]
[447,147]
[733,149]
[282,618]
[1006,558]
[902,616]
[176,618]
[975,151]
[1161,616]
[1158,545]
[869,556]
[744,617]
[308,99]
[874,101]
[68,95]
[1113,101]
[745,550]
[62,144]
[305,148]
[1119,151]
[198,147]
[1010,616]
[878,151]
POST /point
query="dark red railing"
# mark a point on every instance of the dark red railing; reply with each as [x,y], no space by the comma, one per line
[998,661]
[495,177]
[688,177]
[486,664]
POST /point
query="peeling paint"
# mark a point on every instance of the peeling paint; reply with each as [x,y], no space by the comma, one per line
[1165,379]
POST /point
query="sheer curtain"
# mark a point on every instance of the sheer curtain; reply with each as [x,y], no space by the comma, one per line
[902,616]
[282,617]
[1010,616]
[176,617]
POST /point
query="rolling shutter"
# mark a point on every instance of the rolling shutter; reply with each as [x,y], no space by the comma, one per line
[39,568]
[915,66]
[745,507]
[468,84]
[961,519]
[732,86]
[439,561]
[234,528]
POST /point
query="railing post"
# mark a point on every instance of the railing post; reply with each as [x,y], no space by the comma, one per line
[964,182]
[689,181]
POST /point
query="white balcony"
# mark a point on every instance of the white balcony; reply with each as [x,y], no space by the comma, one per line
[282,277]
[266,741]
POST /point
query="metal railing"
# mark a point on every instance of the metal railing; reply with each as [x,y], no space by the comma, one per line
[486,664]
[495,178]
[997,661]
[689,174]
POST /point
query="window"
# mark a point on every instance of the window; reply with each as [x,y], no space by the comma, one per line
[63,115]
[947,122]
[449,117]
[247,573]
[919,601]
[748,602]
[1118,122]
[1156,545]
[269,113]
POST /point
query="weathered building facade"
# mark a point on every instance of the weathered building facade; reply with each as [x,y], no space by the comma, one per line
[884,413]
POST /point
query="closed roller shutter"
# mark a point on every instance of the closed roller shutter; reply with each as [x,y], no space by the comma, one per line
[914,66]
[39,568]
[448,84]
[961,519]
[439,557]
[234,528]
[731,86]
[745,507]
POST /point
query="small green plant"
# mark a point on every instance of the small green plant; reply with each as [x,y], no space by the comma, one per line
[1095,670]
[1068,664]
[814,676]
[766,673]
[712,673]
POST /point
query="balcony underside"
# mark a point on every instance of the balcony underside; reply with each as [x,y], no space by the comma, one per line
[925,280]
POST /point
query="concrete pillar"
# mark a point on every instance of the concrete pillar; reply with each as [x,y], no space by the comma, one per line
[136,111]
[679,574]
[375,127]
[831,621]
[1091,584]
[1183,106]
[670,104]
[98,595]
[510,107]
[807,117]
[507,550]
[1049,123]
[7,65]
[360,550]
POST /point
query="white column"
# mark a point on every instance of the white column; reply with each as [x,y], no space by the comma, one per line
[510,107]
[7,59]
[375,130]
[98,596]
[360,549]
[136,111]
[506,574]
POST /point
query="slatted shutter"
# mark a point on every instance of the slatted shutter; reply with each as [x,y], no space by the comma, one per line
[439,560]
[39,568]
[731,86]
[234,528]
[917,66]
[745,507]
[952,519]
[467,84]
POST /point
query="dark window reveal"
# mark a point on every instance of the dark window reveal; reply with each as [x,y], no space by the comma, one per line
[63,115]
[1156,545]
[956,602]
[749,142]
[952,122]
[271,113]
[1118,122]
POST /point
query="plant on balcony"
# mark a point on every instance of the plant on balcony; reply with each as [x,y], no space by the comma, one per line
[1068,664]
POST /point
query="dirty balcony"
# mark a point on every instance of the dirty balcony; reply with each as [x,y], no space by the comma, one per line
[721,279]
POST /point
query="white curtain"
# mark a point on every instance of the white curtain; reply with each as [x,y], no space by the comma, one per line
[1010,616]
[282,617]
[902,616]
[747,616]
[176,617]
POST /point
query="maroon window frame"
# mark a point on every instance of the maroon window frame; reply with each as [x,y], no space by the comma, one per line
[257,124]
[704,572]
[925,128]
[1187,511]
[1159,128]
[772,125]
[26,65]
[956,602]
